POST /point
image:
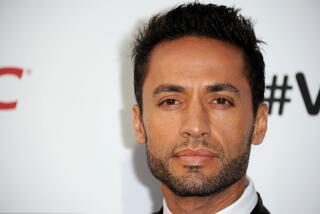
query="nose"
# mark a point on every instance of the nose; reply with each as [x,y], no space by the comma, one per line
[195,122]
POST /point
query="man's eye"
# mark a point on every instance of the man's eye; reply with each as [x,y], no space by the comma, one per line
[169,102]
[222,101]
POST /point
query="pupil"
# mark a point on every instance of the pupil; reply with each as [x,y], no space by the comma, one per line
[221,100]
[171,101]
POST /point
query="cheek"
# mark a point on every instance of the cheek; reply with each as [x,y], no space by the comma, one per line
[161,131]
[232,132]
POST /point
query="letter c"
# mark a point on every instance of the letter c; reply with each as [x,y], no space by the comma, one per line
[10,71]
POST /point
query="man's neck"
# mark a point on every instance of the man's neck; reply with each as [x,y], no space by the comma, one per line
[203,205]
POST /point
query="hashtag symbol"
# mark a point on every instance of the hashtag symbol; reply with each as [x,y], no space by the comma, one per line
[283,89]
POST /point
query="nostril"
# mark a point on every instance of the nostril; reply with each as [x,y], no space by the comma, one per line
[187,134]
[197,136]
[204,134]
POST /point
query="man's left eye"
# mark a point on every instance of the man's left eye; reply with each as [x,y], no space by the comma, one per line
[222,101]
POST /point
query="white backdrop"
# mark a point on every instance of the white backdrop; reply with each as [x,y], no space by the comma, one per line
[68,145]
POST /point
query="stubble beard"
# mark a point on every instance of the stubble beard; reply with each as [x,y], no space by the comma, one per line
[195,182]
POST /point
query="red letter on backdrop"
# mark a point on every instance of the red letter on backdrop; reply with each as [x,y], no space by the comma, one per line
[10,71]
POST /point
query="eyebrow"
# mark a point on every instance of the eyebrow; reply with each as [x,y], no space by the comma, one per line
[223,87]
[210,88]
[167,88]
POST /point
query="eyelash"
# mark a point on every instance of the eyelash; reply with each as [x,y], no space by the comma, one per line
[218,101]
[224,100]
[166,102]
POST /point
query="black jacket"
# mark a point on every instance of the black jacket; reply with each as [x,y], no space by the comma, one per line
[258,209]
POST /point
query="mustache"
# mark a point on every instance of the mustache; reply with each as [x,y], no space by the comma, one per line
[196,143]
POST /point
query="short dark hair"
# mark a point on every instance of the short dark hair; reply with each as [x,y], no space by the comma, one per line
[201,20]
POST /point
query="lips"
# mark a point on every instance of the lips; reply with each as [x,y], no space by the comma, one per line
[194,157]
[199,152]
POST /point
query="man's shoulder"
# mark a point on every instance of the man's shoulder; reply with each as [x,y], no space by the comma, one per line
[159,212]
[258,209]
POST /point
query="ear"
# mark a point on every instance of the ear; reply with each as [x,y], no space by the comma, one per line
[138,125]
[260,124]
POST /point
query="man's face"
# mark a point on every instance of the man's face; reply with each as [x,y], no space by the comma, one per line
[197,116]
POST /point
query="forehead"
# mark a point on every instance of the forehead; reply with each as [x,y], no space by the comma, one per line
[194,61]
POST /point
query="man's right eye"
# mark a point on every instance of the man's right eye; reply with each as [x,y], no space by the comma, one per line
[169,102]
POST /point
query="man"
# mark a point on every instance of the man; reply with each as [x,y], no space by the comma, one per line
[199,86]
